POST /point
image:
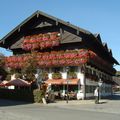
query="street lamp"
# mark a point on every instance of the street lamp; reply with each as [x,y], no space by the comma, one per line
[67,92]
[99,86]
[67,69]
[39,78]
[83,70]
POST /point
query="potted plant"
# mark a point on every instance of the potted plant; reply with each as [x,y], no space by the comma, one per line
[72,75]
[44,76]
[56,75]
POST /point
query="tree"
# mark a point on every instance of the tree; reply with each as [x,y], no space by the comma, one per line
[3,72]
[30,68]
[118,73]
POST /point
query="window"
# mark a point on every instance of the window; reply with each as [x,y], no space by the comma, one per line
[73,68]
[90,89]
[57,69]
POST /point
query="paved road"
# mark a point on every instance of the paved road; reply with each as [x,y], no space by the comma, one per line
[52,113]
[23,111]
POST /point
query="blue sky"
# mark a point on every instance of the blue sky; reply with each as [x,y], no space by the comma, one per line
[97,16]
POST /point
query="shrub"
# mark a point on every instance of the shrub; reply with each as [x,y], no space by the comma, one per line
[3,73]
[56,76]
[38,95]
[30,77]
[18,75]
[44,76]
[17,94]
[72,75]
[8,77]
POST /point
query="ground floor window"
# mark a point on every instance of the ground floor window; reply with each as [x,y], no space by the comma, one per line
[108,89]
[90,88]
[60,91]
[60,88]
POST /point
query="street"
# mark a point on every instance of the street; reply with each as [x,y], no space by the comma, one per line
[107,110]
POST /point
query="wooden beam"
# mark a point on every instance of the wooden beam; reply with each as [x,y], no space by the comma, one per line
[61,33]
[78,31]
[38,15]
[19,29]
[56,22]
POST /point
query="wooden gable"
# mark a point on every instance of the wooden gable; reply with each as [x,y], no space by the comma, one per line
[40,22]
[105,46]
[97,35]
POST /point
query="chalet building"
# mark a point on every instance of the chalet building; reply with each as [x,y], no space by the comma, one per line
[74,58]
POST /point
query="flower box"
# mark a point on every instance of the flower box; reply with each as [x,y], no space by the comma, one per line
[41,41]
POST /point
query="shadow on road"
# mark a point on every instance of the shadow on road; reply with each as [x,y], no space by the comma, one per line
[115,97]
[5,103]
[102,102]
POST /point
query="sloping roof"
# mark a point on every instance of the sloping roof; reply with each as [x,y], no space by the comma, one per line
[116,80]
[105,47]
[48,16]
[3,83]
[98,38]
[18,82]
[34,16]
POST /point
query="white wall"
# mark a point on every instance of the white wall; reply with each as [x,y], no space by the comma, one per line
[88,82]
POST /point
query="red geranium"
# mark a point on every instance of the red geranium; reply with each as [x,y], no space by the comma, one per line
[41,41]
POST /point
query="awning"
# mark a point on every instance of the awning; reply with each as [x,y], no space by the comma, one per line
[0,81]
[62,81]
[71,81]
[54,81]
[3,83]
[18,82]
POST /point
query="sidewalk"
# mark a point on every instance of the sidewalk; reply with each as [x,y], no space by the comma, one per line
[71,102]
[111,105]
[14,110]
[106,105]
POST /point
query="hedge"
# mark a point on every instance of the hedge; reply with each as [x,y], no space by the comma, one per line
[22,95]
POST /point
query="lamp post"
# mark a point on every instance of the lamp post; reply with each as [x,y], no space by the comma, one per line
[99,86]
[39,78]
[83,70]
[67,69]
[67,93]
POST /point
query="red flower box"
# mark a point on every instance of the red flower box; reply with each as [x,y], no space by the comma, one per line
[41,41]
[58,58]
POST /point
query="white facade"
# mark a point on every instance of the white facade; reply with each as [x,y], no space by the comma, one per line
[86,86]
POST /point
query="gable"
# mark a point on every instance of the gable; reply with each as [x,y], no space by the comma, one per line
[97,35]
[42,22]
[38,20]
[110,51]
